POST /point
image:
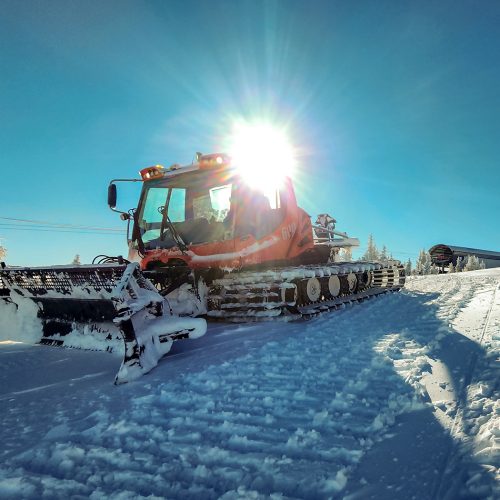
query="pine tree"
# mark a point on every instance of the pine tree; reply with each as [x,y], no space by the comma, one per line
[371,250]
[76,260]
[418,263]
[482,265]
[3,252]
[469,263]
[384,255]
[408,267]
[451,268]
[424,263]
[459,266]
[427,268]
[472,263]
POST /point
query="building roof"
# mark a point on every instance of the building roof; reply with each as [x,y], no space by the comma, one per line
[487,254]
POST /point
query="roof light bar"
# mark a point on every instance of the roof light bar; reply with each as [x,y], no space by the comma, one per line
[153,172]
[213,160]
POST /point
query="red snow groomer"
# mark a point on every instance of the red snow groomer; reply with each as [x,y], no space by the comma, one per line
[246,248]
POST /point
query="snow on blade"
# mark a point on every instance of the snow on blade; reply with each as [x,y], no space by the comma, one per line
[184,302]
[153,339]
[19,320]
[111,308]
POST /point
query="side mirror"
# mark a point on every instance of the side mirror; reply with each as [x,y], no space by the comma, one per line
[112,195]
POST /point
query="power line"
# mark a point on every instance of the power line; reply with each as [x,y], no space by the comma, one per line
[16,224]
[54,225]
[55,230]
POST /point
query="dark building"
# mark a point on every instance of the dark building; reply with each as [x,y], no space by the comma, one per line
[443,255]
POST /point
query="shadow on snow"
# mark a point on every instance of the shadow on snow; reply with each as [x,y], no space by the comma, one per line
[419,458]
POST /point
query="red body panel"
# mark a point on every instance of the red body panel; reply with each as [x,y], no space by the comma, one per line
[291,239]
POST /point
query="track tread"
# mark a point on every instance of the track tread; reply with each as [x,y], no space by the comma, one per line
[253,296]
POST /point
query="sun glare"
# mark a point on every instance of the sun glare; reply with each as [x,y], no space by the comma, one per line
[262,152]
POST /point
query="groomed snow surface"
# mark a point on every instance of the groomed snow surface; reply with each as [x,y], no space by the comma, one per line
[396,397]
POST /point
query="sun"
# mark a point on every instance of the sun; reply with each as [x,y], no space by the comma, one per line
[262,153]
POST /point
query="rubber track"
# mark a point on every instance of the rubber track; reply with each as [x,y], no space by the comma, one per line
[262,296]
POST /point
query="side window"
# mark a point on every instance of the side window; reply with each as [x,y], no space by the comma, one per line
[259,212]
[220,199]
[202,207]
[213,204]
[274,198]
[177,205]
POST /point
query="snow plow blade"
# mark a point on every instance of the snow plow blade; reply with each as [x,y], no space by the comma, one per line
[104,307]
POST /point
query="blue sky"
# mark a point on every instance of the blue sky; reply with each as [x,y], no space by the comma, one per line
[393,106]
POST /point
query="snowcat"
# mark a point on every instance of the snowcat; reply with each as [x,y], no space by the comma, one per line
[201,234]
[247,251]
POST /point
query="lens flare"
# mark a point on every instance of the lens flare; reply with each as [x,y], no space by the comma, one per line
[262,153]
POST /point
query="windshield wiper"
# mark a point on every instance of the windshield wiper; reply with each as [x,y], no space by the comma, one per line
[166,222]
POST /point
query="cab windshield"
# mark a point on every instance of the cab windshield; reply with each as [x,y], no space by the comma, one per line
[195,205]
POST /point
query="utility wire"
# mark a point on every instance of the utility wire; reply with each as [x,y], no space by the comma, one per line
[55,230]
[24,222]
[36,225]
[13,227]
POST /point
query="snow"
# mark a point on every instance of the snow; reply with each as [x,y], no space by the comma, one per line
[184,302]
[19,320]
[152,342]
[396,397]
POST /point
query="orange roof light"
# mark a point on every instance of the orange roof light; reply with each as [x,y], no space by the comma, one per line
[153,172]
[213,160]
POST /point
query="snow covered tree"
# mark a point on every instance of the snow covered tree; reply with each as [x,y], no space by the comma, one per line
[408,267]
[451,268]
[76,260]
[424,263]
[469,263]
[418,263]
[482,265]
[3,252]
[459,266]
[372,252]
[472,263]
[434,269]
[384,254]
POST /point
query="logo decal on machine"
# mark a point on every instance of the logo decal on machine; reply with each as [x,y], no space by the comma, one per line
[288,231]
